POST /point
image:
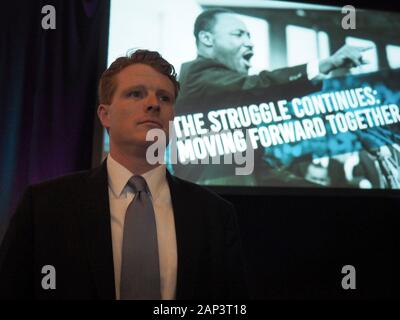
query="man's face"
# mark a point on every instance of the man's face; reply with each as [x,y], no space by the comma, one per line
[231,43]
[143,100]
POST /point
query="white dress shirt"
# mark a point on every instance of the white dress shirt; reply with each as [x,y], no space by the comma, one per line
[120,196]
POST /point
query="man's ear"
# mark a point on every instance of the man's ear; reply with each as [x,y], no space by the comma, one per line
[103,112]
[206,38]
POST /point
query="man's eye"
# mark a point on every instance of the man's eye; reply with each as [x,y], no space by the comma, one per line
[238,34]
[134,94]
[241,34]
[165,98]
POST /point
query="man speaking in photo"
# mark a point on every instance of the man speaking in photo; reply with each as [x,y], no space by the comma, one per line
[224,52]
[219,78]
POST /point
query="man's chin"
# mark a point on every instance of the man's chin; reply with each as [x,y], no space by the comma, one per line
[243,70]
[146,144]
[143,143]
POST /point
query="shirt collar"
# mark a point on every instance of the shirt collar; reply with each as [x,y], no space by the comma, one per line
[118,177]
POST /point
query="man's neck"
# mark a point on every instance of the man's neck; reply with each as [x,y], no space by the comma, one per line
[205,53]
[135,162]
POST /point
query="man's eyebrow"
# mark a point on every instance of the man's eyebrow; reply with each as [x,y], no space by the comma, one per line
[126,90]
[241,31]
[163,91]
[142,87]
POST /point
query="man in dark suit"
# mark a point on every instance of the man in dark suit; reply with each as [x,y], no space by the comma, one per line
[68,237]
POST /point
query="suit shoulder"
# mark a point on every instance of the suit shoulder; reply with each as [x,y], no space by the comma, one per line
[70,180]
[202,64]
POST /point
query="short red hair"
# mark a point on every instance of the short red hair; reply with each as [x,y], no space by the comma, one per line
[108,85]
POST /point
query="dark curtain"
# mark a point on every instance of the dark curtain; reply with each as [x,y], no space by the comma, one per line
[48,85]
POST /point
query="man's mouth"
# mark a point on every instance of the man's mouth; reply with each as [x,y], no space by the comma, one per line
[246,59]
[151,122]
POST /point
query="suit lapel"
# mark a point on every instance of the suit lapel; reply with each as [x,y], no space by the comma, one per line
[187,227]
[96,232]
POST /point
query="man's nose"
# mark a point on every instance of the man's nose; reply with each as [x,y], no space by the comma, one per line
[152,103]
[248,43]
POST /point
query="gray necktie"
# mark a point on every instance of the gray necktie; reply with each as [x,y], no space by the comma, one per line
[140,270]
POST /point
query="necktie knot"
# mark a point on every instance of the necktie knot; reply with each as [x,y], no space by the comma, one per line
[138,184]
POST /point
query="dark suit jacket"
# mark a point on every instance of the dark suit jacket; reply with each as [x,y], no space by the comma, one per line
[203,80]
[66,223]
